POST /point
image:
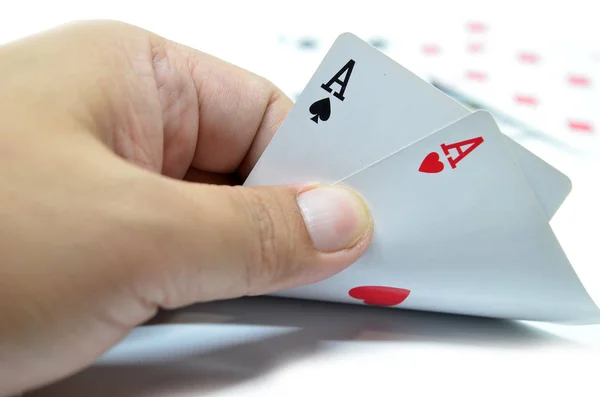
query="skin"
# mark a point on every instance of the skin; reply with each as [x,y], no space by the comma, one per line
[119,155]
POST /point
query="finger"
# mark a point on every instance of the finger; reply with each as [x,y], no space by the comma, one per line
[238,111]
[230,241]
[213,178]
[157,103]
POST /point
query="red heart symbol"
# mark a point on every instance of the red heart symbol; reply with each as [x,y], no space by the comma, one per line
[431,164]
[380,296]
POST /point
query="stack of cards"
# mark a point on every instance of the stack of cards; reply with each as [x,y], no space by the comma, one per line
[541,80]
[461,211]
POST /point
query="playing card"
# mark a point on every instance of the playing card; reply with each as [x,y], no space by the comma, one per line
[361,106]
[550,185]
[458,230]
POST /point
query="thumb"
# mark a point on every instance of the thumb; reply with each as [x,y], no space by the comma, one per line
[231,241]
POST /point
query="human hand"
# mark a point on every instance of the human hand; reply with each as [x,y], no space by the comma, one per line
[117,147]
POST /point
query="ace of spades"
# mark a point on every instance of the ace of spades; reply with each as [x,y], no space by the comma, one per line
[321,109]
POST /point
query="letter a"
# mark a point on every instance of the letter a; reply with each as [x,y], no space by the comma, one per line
[336,79]
[472,143]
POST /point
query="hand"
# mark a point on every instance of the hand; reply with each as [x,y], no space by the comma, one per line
[116,149]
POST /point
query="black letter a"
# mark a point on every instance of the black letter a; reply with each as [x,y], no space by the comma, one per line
[336,79]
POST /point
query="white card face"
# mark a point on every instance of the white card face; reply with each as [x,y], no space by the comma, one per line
[550,185]
[359,107]
[469,238]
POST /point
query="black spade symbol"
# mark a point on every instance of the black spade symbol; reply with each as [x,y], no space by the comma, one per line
[321,110]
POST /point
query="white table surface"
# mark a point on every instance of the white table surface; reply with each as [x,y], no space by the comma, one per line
[267,346]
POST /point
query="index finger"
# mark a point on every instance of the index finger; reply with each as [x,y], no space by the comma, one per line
[238,112]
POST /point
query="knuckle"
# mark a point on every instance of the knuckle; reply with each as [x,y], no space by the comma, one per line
[97,25]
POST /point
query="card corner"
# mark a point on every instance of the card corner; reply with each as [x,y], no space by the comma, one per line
[347,36]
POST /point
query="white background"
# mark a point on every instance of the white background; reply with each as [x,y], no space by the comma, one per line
[291,348]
